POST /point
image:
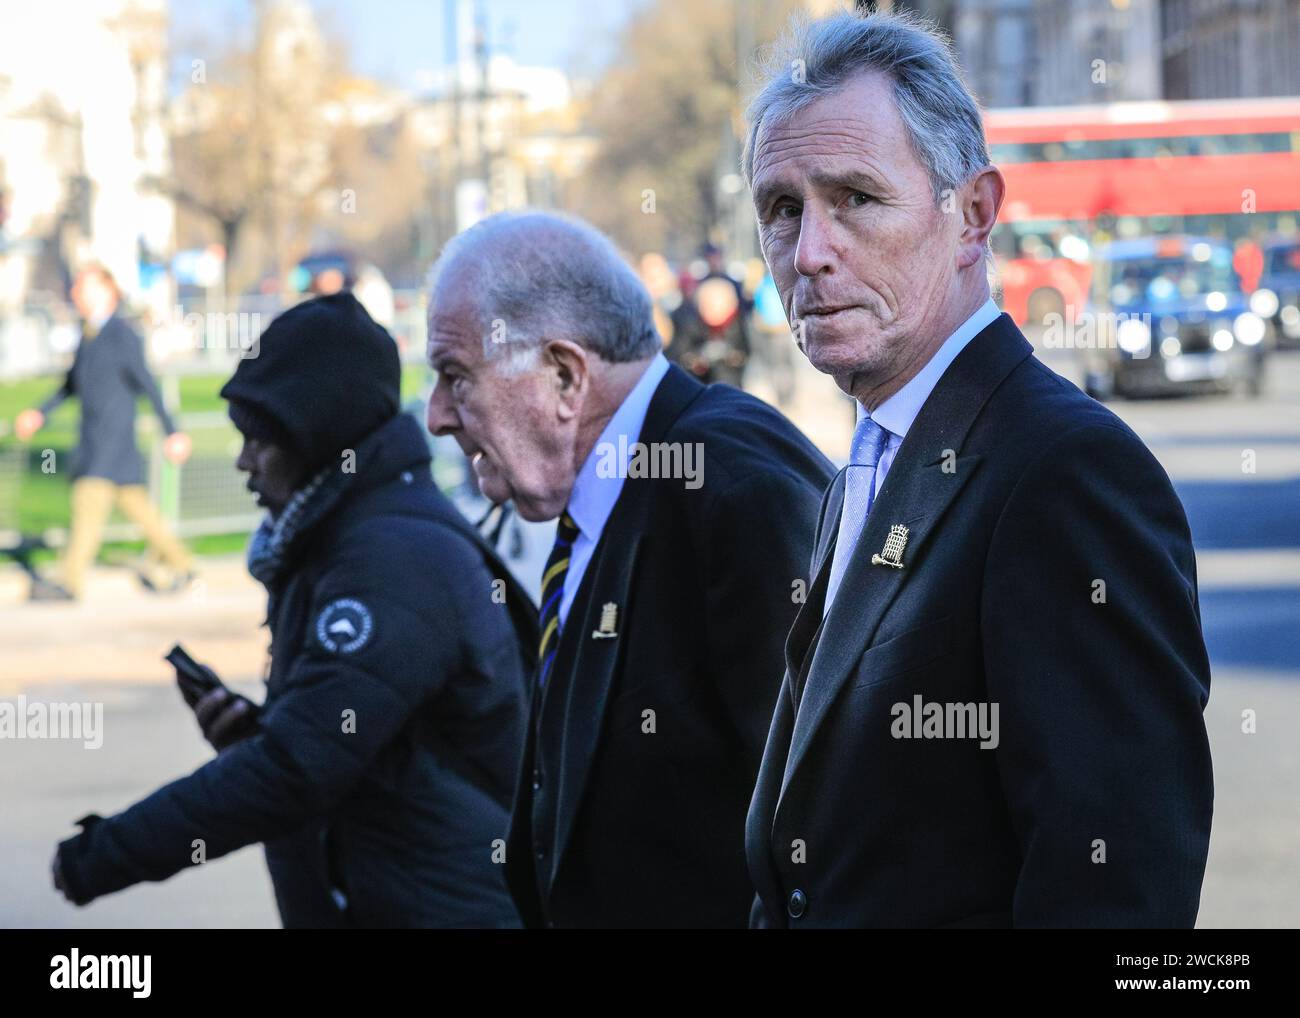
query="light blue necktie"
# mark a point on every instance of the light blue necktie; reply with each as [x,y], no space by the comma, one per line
[869,440]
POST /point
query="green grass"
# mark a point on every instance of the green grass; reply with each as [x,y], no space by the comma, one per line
[198,394]
[208,545]
[43,497]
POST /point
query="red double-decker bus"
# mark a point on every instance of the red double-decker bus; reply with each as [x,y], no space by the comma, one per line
[1082,175]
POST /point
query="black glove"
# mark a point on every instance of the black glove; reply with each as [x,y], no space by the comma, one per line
[64,865]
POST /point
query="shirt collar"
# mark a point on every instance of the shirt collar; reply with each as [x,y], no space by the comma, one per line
[592,498]
[897,413]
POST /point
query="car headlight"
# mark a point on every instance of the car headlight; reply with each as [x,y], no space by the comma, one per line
[1249,328]
[1134,336]
[1222,340]
[1264,303]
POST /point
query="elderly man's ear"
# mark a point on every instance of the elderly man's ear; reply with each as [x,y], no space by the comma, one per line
[566,365]
[981,200]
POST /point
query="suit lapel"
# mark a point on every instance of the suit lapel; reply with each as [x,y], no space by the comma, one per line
[595,662]
[830,525]
[927,474]
[867,590]
[609,580]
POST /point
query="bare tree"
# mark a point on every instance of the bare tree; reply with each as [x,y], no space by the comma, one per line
[667,112]
[250,141]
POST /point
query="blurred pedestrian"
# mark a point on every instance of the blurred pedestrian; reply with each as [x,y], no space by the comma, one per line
[1248,260]
[688,331]
[108,372]
[711,325]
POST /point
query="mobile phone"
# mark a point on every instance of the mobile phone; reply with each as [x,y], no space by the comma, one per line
[193,681]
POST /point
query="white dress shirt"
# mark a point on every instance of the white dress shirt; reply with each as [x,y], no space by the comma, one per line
[897,413]
[593,497]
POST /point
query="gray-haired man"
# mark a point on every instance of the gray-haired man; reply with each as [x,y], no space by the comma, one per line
[992,713]
[686,517]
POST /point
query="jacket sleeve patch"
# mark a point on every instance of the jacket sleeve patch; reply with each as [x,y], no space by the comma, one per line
[344,626]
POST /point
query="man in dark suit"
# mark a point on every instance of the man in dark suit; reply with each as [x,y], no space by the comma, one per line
[992,709]
[686,516]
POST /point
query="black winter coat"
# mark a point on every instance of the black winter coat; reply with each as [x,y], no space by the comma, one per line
[381,776]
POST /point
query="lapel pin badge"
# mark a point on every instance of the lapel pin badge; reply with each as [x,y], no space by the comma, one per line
[608,622]
[892,553]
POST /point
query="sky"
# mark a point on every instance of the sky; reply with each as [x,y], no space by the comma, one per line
[394,40]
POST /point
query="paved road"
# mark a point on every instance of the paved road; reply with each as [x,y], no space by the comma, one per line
[1247,529]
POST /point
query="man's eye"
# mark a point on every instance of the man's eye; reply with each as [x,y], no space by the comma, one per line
[857,199]
[786,210]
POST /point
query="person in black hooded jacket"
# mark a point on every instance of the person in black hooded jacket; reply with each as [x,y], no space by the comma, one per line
[380,768]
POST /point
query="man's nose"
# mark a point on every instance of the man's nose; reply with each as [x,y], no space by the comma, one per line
[815,251]
[442,418]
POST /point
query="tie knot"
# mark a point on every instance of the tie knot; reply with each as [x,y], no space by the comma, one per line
[869,440]
[566,530]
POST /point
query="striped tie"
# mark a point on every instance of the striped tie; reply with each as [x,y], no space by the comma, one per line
[553,592]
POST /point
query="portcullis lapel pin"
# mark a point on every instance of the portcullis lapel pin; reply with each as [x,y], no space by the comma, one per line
[608,622]
[892,553]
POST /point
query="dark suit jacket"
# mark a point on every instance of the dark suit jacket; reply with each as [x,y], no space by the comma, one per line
[624,818]
[1020,494]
